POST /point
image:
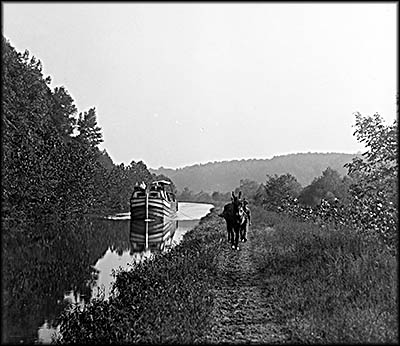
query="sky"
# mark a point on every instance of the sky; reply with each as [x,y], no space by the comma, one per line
[177,84]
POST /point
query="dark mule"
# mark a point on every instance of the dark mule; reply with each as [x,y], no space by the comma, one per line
[235,218]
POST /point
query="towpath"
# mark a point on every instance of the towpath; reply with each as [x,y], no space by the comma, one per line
[242,312]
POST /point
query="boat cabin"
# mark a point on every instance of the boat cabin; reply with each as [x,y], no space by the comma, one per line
[160,189]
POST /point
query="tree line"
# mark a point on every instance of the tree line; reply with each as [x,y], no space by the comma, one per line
[366,198]
[225,176]
[52,167]
[329,185]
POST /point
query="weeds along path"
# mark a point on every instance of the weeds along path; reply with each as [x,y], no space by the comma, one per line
[242,313]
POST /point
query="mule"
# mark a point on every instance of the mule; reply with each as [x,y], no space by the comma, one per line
[235,218]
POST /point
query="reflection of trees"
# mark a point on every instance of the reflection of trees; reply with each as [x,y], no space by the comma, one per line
[111,234]
[37,274]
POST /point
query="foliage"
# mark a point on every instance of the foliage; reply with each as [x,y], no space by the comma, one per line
[52,172]
[121,180]
[217,196]
[328,186]
[375,188]
[249,189]
[46,169]
[277,189]
[365,201]
[56,259]
[166,299]
[64,112]
[87,128]
[377,170]
[225,176]
[374,222]
[52,166]
[203,197]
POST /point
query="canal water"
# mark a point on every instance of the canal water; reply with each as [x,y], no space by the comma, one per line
[41,278]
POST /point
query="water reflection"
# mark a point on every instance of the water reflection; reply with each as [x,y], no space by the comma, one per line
[153,235]
[145,238]
[37,273]
[60,264]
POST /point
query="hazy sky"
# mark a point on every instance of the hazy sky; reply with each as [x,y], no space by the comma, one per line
[176,84]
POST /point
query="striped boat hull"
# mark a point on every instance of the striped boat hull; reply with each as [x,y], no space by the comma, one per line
[158,209]
[151,234]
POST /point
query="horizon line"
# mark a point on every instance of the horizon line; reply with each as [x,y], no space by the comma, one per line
[249,159]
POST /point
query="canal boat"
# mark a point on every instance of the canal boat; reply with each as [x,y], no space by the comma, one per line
[154,202]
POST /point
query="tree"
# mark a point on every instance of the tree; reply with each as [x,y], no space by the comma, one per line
[64,112]
[374,191]
[279,188]
[249,188]
[329,186]
[216,196]
[52,166]
[30,140]
[105,160]
[202,197]
[186,195]
[87,127]
[138,172]
[46,169]
[377,169]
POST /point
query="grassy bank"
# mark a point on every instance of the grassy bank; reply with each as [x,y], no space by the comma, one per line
[166,299]
[322,286]
[327,286]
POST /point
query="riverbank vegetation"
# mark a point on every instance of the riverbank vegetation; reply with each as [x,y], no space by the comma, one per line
[323,286]
[165,299]
[53,174]
[365,201]
[52,166]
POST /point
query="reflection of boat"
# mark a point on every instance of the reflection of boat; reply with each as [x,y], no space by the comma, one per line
[156,201]
[153,235]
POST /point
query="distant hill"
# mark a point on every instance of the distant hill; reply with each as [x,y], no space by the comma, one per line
[225,176]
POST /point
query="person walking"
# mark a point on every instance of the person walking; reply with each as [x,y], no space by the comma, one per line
[248,220]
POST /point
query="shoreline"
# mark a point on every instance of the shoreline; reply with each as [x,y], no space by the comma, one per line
[202,291]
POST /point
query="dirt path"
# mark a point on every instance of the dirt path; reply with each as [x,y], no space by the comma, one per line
[242,313]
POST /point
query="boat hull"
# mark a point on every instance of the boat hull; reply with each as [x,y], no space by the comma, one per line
[157,209]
